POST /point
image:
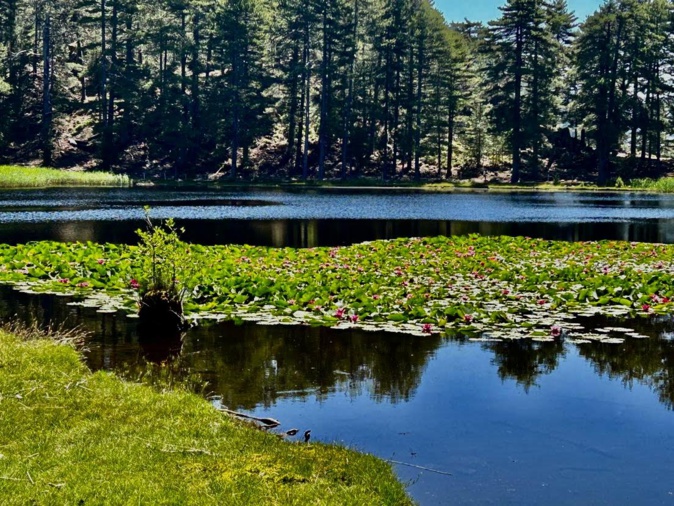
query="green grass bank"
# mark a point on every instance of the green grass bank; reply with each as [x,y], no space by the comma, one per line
[661,185]
[38,177]
[69,436]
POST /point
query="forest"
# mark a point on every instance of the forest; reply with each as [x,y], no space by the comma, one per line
[337,89]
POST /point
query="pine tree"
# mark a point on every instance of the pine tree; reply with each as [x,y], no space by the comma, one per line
[239,35]
[520,70]
[600,43]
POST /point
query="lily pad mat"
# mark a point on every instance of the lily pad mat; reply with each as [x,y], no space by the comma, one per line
[489,287]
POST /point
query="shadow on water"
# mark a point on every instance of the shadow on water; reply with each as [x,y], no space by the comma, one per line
[337,232]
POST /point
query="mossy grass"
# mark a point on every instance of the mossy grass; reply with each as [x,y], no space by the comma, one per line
[506,287]
[68,436]
[12,176]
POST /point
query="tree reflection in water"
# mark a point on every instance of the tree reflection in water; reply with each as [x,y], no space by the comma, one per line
[646,361]
[525,360]
[252,365]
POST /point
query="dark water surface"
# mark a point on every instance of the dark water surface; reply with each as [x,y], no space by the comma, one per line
[331,217]
[515,422]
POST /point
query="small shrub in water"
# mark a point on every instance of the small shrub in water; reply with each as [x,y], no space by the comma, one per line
[165,270]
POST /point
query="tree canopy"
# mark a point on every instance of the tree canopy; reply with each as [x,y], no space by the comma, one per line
[338,88]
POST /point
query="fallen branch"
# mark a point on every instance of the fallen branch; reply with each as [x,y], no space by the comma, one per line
[268,422]
[418,467]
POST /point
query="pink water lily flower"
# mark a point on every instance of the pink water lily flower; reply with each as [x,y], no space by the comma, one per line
[134,284]
[426,328]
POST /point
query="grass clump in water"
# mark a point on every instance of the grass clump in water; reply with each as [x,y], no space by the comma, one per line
[68,436]
[36,177]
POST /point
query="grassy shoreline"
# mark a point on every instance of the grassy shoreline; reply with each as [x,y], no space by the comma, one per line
[37,177]
[69,436]
[662,185]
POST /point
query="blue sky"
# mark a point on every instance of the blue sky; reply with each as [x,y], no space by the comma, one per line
[486,10]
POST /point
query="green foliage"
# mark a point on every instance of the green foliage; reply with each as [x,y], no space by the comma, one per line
[339,88]
[28,177]
[458,284]
[525,48]
[153,447]
[166,263]
[664,184]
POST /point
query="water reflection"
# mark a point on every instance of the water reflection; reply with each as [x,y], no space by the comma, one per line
[312,233]
[646,361]
[256,365]
[525,360]
[453,405]
[159,345]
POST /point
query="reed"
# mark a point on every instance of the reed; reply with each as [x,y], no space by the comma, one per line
[663,184]
[12,176]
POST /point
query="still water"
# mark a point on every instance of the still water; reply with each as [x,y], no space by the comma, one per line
[513,422]
[331,217]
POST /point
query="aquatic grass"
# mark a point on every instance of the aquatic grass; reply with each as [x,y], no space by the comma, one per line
[488,287]
[663,184]
[38,177]
[68,436]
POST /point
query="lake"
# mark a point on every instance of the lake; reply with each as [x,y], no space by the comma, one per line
[331,217]
[518,422]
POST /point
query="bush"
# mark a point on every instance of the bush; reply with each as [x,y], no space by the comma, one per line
[166,269]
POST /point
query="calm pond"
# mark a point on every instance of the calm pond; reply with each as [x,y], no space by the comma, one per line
[517,422]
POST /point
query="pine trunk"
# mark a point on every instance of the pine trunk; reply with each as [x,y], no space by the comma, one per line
[46,94]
